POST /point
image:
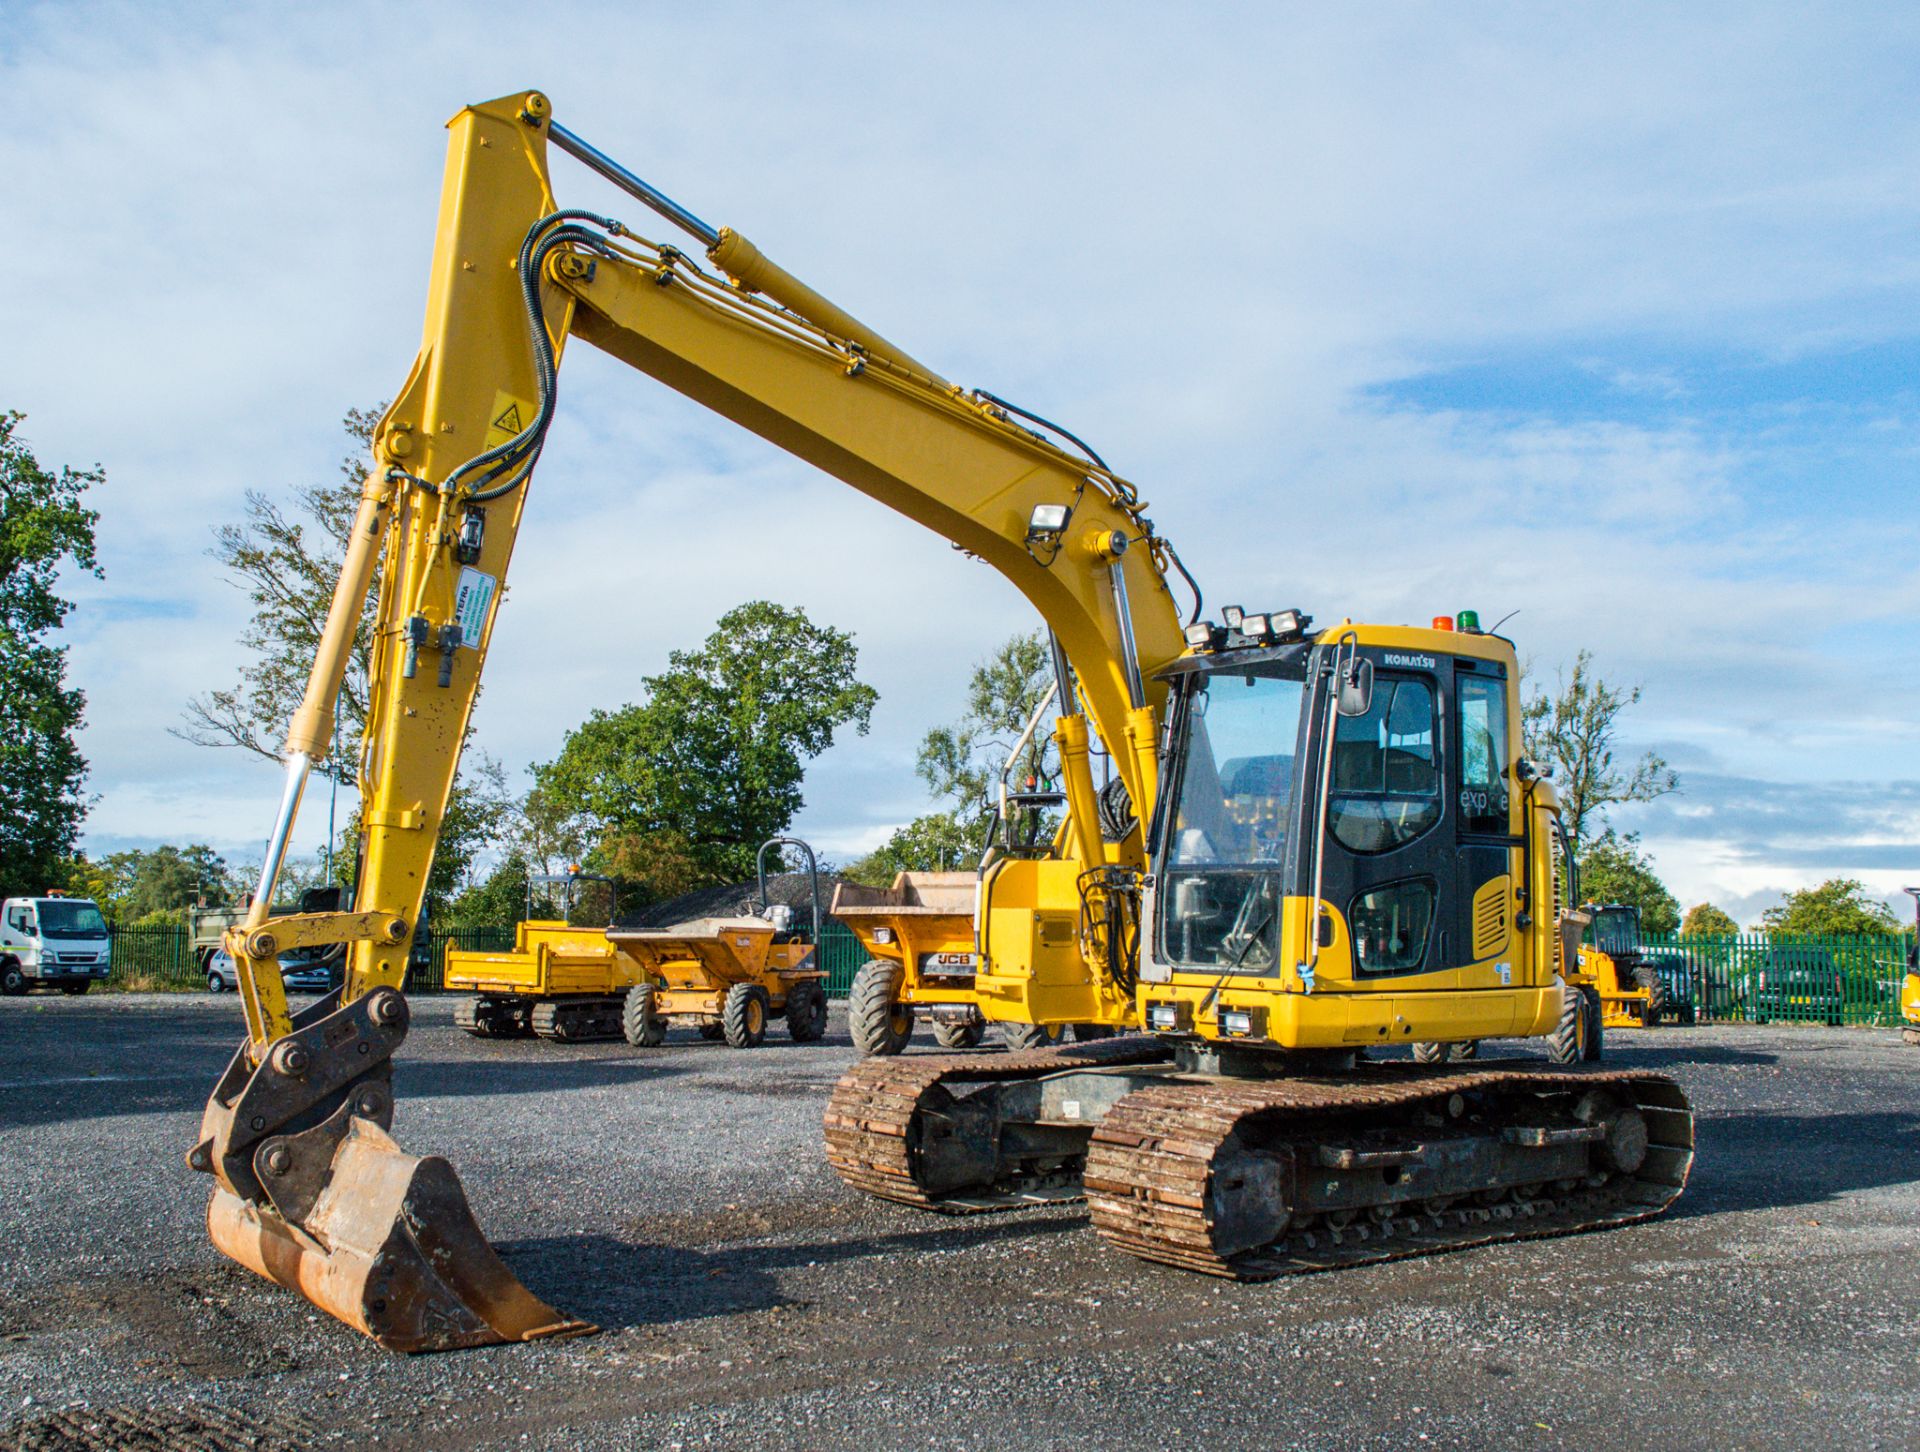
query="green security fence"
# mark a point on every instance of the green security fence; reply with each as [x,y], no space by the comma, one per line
[163,960]
[1761,978]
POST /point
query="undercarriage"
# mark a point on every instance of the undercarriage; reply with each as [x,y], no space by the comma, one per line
[1308,1166]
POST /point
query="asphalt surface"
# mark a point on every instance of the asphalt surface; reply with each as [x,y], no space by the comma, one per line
[679,1198]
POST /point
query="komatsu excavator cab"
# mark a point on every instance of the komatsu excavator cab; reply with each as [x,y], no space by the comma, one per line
[1339,831]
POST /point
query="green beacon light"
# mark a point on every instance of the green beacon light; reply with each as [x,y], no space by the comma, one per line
[1469,622]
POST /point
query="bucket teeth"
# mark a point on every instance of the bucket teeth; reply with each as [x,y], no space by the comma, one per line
[392,1249]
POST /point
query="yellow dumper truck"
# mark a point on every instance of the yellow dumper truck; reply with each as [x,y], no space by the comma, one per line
[558,981]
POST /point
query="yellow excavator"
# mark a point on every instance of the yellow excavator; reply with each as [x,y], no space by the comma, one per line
[1305,859]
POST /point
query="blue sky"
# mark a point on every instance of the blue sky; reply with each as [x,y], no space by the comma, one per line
[1603,315]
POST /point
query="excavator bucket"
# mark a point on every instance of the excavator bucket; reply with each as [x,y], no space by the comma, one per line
[391,1248]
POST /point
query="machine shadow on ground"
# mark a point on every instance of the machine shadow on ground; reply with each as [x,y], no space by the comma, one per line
[623,1285]
[1759,1161]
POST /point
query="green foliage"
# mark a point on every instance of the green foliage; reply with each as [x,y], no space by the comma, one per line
[1573,730]
[495,902]
[43,529]
[1614,870]
[962,763]
[937,842]
[717,752]
[1838,907]
[287,563]
[136,887]
[1704,920]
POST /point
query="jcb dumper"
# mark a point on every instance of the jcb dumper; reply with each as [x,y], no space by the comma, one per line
[923,961]
[730,976]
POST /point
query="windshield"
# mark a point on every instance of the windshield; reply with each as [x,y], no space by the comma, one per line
[1227,838]
[63,919]
[1236,774]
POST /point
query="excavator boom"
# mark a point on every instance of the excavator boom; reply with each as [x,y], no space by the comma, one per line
[310,1188]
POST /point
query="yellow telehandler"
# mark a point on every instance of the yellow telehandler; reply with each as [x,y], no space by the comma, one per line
[1323,843]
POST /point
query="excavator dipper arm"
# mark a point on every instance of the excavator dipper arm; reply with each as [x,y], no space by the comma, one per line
[310,1189]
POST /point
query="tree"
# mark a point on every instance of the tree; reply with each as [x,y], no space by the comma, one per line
[937,842]
[718,750]
[497,901]
[1614,870]
[962,763]
[288,563]
[44,528]
[134,885]
[1573,730]
[1704,920]
[1837,908]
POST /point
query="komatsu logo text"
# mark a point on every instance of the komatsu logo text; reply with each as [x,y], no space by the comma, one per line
[1418,662]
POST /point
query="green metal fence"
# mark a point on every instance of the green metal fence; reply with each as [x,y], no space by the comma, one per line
[1760,978]
[429,976]
[154,958]
[841,955]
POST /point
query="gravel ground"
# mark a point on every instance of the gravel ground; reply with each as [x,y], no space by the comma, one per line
[678,1197]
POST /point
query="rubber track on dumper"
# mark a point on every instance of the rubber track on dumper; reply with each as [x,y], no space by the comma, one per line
[1150,1165]
[872,1139]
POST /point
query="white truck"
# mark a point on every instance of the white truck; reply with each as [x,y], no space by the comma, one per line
[52,942]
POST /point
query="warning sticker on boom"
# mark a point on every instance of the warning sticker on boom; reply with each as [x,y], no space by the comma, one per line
[472,598]
[508,417]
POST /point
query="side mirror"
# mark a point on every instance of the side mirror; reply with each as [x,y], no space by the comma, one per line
[1356,688]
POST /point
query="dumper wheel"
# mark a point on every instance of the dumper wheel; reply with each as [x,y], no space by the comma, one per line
[1656,1008]
[958,1035]
[1567,1044]
[1596,1025]
[807,1012]
[881,1024]
[1018,1036]
[1425,1053]
[640,1022]
[744,1019]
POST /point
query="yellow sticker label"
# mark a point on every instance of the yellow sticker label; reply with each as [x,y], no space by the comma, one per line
[508,418]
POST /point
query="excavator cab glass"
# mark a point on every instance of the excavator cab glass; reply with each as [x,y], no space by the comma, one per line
[1231,806]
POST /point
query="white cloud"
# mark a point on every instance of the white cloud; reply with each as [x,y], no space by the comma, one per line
[1195,238]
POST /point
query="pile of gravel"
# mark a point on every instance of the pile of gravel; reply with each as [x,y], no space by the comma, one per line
[737,899]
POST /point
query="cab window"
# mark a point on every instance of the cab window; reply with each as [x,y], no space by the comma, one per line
[1386,782]
[1390,926]
[1483,754]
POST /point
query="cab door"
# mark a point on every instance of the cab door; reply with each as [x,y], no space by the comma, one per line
[1390,865]
[1483,799]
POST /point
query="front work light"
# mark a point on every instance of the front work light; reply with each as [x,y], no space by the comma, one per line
[1233,615]
[1047,523]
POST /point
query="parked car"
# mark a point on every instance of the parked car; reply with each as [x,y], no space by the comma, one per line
[320,975]
[1676,972]
[1795,984]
